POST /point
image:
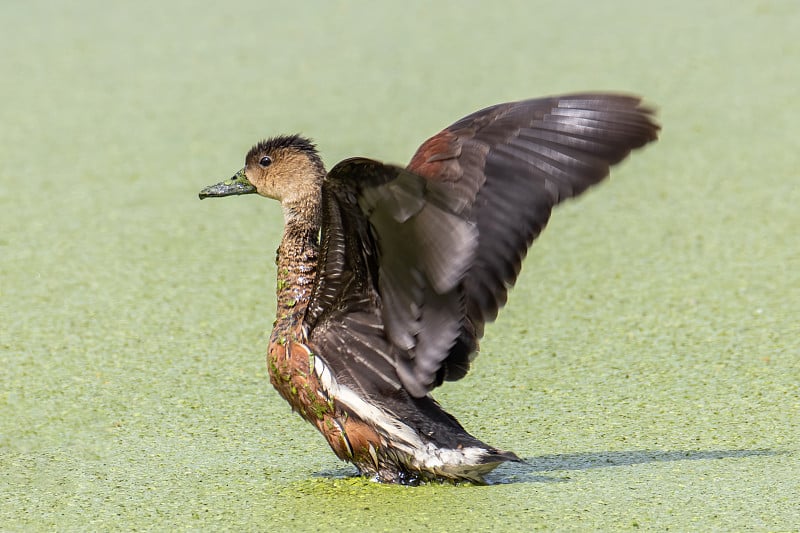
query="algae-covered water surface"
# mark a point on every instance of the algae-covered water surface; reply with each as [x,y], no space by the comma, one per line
[647,366]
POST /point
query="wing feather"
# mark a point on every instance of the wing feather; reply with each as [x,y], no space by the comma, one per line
[420,259]
[516,162]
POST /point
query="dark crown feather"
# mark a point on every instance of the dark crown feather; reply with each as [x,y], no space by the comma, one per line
[295,141]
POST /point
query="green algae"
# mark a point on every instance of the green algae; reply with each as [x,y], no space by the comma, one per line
[646,366]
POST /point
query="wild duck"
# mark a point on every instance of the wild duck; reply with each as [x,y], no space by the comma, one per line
[387,275]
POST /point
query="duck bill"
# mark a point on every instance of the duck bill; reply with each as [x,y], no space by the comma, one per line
[236,185]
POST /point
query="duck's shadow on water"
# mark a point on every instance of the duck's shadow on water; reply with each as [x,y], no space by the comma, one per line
[530,471]
[532,468]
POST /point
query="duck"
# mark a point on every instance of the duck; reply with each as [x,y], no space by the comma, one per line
[387,275]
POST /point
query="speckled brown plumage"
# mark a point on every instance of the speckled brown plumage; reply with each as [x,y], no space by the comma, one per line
[387,275]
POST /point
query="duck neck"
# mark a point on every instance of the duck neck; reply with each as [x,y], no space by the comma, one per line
[297,258]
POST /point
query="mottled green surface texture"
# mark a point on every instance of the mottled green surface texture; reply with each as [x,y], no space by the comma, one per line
[647,365]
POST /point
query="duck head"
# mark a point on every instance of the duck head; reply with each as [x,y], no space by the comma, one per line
[286,168]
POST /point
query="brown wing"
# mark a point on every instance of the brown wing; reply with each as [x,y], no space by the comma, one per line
[379,258]
[510,164]
[424,257]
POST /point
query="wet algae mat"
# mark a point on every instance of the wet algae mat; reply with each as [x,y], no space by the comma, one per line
[647,365]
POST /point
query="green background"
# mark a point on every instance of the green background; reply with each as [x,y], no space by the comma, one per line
[647,365]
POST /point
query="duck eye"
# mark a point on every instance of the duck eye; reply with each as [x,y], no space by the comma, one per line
[265,161]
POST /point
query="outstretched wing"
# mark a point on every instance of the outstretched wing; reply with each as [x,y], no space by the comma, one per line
[512,163]
[444,240]
[379,254]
